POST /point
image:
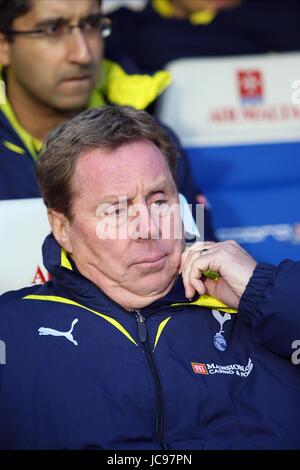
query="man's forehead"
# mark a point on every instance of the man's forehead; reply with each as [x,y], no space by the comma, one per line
[129,158]
[123,171]
[46,9]
[161,183]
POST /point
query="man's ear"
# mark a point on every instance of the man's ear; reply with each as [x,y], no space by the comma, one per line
[5,47]
[60,226]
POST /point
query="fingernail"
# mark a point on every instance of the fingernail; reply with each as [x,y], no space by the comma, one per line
[188,295]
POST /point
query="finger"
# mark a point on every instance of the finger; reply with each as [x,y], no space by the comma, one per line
[199,247]
[198,286]
[195,280]
[186,255]
[189,253]
[197,264]
[192,263]
[189,289]
[191,256]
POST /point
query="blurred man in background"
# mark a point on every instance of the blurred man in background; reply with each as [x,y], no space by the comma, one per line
[51,53]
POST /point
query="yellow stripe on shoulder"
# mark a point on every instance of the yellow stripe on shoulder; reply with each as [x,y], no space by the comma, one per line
[208,302]
[63,300]
[15,148]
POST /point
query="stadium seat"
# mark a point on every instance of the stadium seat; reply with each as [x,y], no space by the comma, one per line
[239,120]
[23,227]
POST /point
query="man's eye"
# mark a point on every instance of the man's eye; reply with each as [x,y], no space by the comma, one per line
[55,29]
[115,211]
[91,24]
[159,203]
[120,211]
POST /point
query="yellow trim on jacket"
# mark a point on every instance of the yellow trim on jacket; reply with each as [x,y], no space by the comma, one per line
[137,90]
[64,260]
[33,145]
[207,301]
[160,330]
[165,9]
[13,147]
[63,300]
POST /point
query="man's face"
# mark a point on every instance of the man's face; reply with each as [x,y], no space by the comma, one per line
[57,73]
[129,187]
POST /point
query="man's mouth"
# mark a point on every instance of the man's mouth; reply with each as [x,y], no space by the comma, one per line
[152,261]
[78,78]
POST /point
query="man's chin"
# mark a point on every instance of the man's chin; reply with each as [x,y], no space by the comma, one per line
[154,284]
[67,112]
[71,103]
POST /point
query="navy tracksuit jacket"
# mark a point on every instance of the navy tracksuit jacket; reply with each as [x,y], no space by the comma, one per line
[83,373]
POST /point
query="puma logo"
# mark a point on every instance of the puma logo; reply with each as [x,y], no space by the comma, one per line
[67,334]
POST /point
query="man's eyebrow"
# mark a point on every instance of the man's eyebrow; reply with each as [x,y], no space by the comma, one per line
[49,21]
[161,187]
[64,19]
[114,199]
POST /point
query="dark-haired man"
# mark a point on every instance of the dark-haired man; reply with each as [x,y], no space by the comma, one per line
[51,54]
[111,354]
[49,74]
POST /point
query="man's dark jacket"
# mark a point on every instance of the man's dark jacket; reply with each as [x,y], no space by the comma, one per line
[81,372]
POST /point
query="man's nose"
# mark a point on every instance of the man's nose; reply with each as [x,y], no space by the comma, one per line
[146,226]
[78,48]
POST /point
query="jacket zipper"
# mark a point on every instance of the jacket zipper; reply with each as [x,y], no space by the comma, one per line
[143,335]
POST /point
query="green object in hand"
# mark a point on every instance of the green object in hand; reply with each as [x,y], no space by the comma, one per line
[211,274]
